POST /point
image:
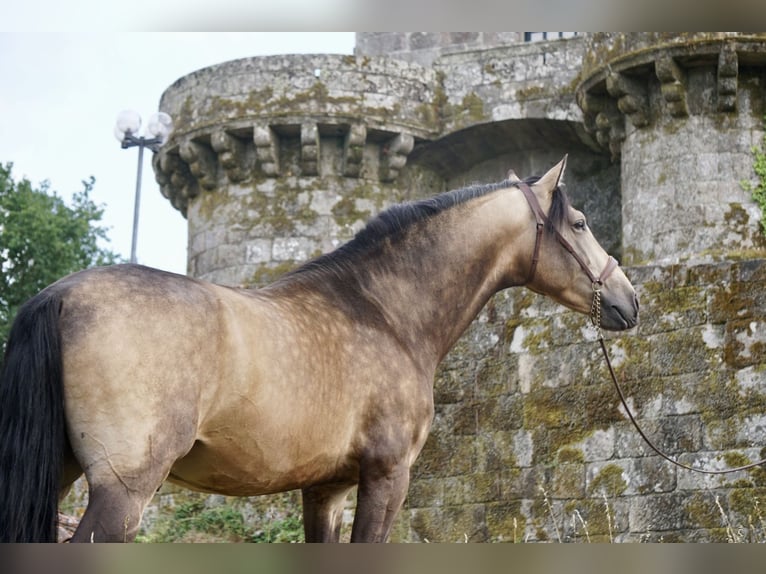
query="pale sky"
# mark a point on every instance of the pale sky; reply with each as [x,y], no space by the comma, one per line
[60,94]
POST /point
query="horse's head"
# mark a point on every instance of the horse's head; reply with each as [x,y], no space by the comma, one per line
[567,264]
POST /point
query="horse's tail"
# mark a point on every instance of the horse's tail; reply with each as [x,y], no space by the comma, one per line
[32,428]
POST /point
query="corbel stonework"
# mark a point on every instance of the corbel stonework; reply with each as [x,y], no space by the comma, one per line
[673,85]
[604,120]
[394,155]
[309,149]
[353,150]
[632,98]
[589,116]
[266,149]
[232,154]
[728,68]
[202,162]
[174,178]
[610,131]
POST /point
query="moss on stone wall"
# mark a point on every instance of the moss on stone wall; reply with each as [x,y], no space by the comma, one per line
[346,212]
[609,482]
[580,449]
[269,273]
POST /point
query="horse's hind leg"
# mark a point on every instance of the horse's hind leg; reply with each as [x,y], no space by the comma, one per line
[323,510]
[117,498]
[116,502]
[113,515]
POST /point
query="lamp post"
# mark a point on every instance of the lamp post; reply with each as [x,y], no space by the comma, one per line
[126,131]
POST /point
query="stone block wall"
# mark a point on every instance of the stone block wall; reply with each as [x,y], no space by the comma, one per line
[522,81]
[425,47]
[530,442]
[276,159]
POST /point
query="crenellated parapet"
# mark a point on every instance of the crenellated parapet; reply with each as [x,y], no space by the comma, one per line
[682,113]
[275,159]
[247,119]
[641,77]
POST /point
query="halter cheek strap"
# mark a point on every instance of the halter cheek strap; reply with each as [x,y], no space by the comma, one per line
[541,218]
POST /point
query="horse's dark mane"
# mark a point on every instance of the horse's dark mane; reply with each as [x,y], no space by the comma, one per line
[394,222]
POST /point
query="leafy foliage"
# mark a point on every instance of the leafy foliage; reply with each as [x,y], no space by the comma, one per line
[196,521]
[758,191]
[43,239]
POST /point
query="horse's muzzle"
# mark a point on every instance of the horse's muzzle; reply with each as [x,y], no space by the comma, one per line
[619,314]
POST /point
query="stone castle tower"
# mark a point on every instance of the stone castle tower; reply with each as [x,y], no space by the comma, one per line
[277,159]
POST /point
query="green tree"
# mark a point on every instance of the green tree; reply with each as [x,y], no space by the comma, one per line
[43,239]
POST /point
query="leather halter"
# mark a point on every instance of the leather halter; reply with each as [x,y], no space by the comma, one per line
[541,219]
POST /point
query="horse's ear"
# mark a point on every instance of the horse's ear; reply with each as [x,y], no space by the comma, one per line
[512,176]
[552,179]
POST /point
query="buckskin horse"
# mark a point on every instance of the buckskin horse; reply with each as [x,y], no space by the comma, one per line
[320,381]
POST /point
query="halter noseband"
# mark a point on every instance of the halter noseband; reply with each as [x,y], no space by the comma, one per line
[541,218]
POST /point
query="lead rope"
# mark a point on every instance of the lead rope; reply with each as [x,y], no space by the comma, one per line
[595,317]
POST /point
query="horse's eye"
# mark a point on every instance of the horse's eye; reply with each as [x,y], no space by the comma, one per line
[579,225]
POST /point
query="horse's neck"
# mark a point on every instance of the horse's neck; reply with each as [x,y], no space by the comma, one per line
[426,288]
[436,283]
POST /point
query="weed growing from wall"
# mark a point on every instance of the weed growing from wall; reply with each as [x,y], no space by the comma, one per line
[758,191]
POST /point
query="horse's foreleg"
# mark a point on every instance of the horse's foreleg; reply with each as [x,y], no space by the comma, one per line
[323,510]
[379,499]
